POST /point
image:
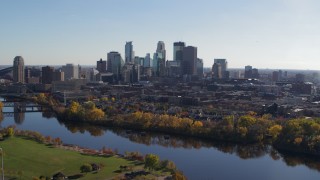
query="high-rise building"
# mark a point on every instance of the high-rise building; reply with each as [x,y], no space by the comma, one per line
[47,74]
[18,70]
[248,72]
[58,75]
[189,61]
[255,73]
[115,64]
[129,53]
[178,51]
[139,60]
[102,66]
[32,75]
[131,73]
[155,64]
[147,61]
[200,67]
[219,69]
[161,55]
[277,75]
[70,71]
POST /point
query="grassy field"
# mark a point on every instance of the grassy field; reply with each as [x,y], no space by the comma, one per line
[26,159]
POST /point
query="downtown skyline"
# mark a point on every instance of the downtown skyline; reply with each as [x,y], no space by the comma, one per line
[274,34]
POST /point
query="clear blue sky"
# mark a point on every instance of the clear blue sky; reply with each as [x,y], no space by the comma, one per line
[261,33]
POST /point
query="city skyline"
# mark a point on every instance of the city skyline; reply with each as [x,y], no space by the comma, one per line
[279,34]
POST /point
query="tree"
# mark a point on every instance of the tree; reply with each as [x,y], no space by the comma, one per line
[1,106]
[74,107]
[85,168]
[275,130]
[177,175]
[151,161]
[10,131]
[89,105]
[41,98]
[94,114]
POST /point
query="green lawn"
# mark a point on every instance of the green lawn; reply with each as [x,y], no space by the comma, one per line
[34,159]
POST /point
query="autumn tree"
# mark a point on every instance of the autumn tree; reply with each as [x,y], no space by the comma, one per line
[275,130]
[1,106]
[10,131]
[41,98]
[177,175]
[94,114]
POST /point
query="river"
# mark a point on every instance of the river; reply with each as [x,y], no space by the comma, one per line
[197,159]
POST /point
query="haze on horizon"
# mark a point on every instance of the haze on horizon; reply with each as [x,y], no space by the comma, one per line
[265,34]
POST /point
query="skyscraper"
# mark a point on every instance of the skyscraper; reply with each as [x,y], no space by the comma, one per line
[129,54]
[70,71]
[200,67]
[47,74]
[219,69]
[147,61]
[161,55]
[115,64]
[18,70]
[178,51]
[248,71]
[189,61]
[102,66]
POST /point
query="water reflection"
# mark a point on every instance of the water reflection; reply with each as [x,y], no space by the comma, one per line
[83,127]
[19,109]
[241,150]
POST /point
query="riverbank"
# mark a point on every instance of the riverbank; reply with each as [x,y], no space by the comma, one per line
[27,159]
[302,136]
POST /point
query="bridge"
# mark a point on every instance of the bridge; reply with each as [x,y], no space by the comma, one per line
[8,114]
[5,71]
[19,106]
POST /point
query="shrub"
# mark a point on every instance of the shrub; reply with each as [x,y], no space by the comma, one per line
[86,168]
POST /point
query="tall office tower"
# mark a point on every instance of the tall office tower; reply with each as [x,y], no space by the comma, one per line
[255,73]
[129,53]
[70,71]
[147,61]
[58,75]
[47,74]
[18,70]
[155,65]
[178,51]
[189,61]
[115,64]
[131,73]
[161,55]
[248,71]
[219,69]
[102,66]
[200,68]
[139,60]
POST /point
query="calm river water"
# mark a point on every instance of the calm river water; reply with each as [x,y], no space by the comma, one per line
[196,158]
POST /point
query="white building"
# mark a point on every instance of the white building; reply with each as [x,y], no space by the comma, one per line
[70,71]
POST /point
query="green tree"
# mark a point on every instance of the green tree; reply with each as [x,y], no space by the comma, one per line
[89,105]
[85,168]
[151,161]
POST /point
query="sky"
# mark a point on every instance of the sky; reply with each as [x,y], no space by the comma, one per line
[276,34]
